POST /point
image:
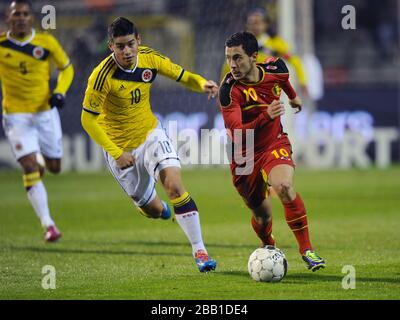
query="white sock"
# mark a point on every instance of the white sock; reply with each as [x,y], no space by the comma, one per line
[190,224]
[37,195]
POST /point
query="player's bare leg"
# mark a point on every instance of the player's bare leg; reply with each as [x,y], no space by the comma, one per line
[156,209]
[37,194]
[187,215]
[53,165]
[262,222]
[29,163]
[281,179]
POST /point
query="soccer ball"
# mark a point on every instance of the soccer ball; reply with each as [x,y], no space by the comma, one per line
[267,264]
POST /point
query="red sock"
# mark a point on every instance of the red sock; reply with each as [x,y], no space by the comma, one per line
[263,232]
[296,218]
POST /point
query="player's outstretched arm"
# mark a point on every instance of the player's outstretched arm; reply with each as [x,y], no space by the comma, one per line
[190,80]
[196,82]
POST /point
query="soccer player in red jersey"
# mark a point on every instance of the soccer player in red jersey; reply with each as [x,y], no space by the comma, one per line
[249,102]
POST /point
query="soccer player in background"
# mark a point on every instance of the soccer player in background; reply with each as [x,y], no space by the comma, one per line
[117,115]
[271,45]
[249,100]
[31,120]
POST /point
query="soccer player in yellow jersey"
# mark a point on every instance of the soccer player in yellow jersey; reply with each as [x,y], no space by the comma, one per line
[117,115]
[30,121]
[269,45]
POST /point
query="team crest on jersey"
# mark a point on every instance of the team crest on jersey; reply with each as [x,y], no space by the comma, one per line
[147,75]
[276,90]
[18,146]
[38,52]
[271,67]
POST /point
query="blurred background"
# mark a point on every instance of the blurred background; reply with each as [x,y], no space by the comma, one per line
[351,116]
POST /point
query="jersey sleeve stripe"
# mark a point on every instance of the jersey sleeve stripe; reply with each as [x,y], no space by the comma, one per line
[101,72]
[145,50]
[90,111]
[159,55]
[181,75]
[151,51]
[66,66]
[105,76]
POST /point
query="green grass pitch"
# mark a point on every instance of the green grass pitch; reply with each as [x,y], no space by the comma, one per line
[109,251]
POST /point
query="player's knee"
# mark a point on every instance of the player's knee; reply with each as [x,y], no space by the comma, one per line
[284,190]
[54,169]
[173,189]
[29,166]
[53,166]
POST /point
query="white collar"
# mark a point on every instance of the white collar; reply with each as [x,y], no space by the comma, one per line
[19,43]
[122,68]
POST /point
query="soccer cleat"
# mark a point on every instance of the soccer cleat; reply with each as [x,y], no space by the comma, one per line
[166,213]
[52,234]
[313,261]
[204,262]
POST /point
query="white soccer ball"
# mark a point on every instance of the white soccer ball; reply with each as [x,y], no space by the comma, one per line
[267,264]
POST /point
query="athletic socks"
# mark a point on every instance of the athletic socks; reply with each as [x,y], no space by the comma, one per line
[264,232]
[37,195]
[296,218]
[187,215]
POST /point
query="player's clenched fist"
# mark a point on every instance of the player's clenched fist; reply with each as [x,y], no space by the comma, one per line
[276,109]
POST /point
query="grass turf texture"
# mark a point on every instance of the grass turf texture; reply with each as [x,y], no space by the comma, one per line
[110,251]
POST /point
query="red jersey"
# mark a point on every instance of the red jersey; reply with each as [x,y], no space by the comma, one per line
[244,105]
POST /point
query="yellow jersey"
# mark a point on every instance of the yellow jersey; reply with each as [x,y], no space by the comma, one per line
[121,98]
[275,47]
[25,71]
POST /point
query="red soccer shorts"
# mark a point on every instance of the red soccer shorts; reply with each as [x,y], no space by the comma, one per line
[254,187]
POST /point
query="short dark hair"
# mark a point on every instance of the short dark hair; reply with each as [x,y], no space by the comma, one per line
[121,27]
[246,39]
